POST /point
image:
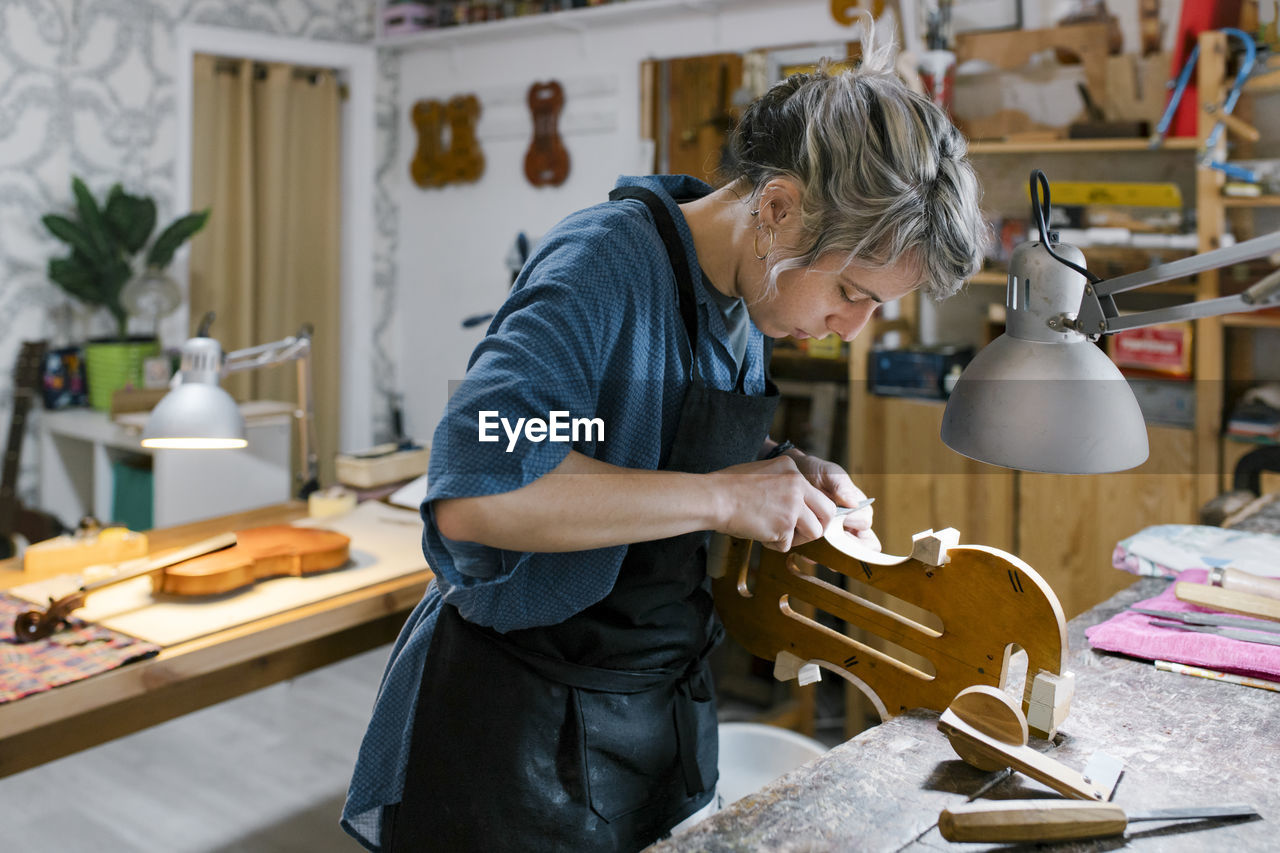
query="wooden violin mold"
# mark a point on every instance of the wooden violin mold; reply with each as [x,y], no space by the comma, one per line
[546,164]
[436,165]
[920,628]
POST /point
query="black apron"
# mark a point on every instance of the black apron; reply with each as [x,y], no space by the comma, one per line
[598,733]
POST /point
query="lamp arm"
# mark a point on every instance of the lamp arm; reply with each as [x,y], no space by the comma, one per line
[1098,314]
[293,348]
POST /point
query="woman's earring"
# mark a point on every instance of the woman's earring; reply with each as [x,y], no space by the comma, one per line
[756,245]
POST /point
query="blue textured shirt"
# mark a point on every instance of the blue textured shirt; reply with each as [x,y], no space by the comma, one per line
[591,328]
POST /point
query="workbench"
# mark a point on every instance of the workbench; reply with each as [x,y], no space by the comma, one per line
[1184,741]
[195,674]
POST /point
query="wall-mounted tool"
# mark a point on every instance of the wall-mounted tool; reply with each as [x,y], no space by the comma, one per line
[1222,112]
[1061,820]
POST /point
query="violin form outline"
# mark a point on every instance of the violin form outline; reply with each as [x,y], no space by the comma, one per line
[546,164]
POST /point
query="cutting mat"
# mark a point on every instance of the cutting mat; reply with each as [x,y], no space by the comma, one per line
[386,543]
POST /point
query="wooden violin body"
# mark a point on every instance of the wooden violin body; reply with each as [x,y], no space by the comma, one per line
[259,553]
[919,629]
[547,162]
[219,564]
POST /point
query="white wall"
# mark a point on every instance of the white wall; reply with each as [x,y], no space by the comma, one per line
[453,240]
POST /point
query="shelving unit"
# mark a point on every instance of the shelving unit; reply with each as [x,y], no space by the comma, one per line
[568,20]
[1065,526]
[1217,362]
[1081,146]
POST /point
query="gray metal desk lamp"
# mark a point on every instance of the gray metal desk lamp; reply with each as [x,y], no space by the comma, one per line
[198,414]
[1042,396]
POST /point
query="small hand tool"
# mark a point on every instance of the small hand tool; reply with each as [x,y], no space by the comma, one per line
[1212,619]
[1242,634]
[1060,820]
[862,504]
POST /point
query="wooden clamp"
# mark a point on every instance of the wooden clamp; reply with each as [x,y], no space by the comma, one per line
[919,629]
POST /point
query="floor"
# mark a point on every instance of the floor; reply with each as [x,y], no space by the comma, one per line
[289,748]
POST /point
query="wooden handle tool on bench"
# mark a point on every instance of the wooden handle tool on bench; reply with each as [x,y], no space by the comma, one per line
[1060,820]
[1238,581]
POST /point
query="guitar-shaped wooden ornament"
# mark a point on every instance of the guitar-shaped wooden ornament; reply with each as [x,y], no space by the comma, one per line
[547,162]
[919,629]
[19,525]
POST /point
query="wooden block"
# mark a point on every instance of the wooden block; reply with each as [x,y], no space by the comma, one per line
[380,465]
[72,553]
[931,548]
[1228,600]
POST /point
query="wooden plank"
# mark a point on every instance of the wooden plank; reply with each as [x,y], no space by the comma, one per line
[1068,526]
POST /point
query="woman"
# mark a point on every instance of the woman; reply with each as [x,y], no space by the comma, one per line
[550,691]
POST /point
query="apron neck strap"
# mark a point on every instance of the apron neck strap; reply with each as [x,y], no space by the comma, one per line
[675,254]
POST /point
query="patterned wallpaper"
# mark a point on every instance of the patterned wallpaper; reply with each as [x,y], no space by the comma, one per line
[87,88]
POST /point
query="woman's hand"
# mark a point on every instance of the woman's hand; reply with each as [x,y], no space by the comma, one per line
[834,482]
[772,502]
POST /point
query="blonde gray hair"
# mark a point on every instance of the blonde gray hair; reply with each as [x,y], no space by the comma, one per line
[882,170]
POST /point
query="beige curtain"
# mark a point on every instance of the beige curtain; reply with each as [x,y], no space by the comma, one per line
[266,158]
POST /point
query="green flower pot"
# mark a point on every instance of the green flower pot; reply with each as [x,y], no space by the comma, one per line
[114,364]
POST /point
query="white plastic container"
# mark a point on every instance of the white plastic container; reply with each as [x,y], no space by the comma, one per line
[752,755]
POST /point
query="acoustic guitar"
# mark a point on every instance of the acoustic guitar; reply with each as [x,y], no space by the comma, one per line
[20,525]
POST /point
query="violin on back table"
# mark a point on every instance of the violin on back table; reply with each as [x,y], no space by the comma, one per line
[218,565]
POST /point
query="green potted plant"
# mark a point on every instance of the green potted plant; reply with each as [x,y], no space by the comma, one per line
[106,269]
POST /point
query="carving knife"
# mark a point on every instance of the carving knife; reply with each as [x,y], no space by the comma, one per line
[1242,634]
[863,504]
[1219,619]
[1059,820]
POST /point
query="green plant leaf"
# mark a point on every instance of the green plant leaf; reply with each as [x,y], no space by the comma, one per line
[76,278]
[181,230]
[130,219]
[71,232]
[91,219]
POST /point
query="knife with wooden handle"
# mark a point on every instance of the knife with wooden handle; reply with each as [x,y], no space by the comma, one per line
[1216,598]
[1060,820]
[1234,579]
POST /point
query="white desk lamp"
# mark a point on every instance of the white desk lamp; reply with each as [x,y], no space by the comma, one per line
[1042,396]
[198,414]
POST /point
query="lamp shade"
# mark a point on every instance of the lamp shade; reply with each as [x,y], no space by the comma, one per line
[1043,397]
[197,414]
[194,416]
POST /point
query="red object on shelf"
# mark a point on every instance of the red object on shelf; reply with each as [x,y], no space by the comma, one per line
[1197,17]
[1154,351]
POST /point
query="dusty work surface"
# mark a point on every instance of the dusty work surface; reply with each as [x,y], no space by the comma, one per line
[1184,741]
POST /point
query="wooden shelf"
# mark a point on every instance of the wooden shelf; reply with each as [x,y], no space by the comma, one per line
[1082,146]
[1255,201]
[990,277]
[617,13]
[1252,321]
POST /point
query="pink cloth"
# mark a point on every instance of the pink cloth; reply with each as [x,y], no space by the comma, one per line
[1132,634]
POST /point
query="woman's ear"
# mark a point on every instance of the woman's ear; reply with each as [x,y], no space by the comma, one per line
[780,203]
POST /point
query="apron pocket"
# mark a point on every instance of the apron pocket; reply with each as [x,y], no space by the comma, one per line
[630,749]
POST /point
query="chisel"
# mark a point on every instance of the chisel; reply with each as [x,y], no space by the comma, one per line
[1059,820]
